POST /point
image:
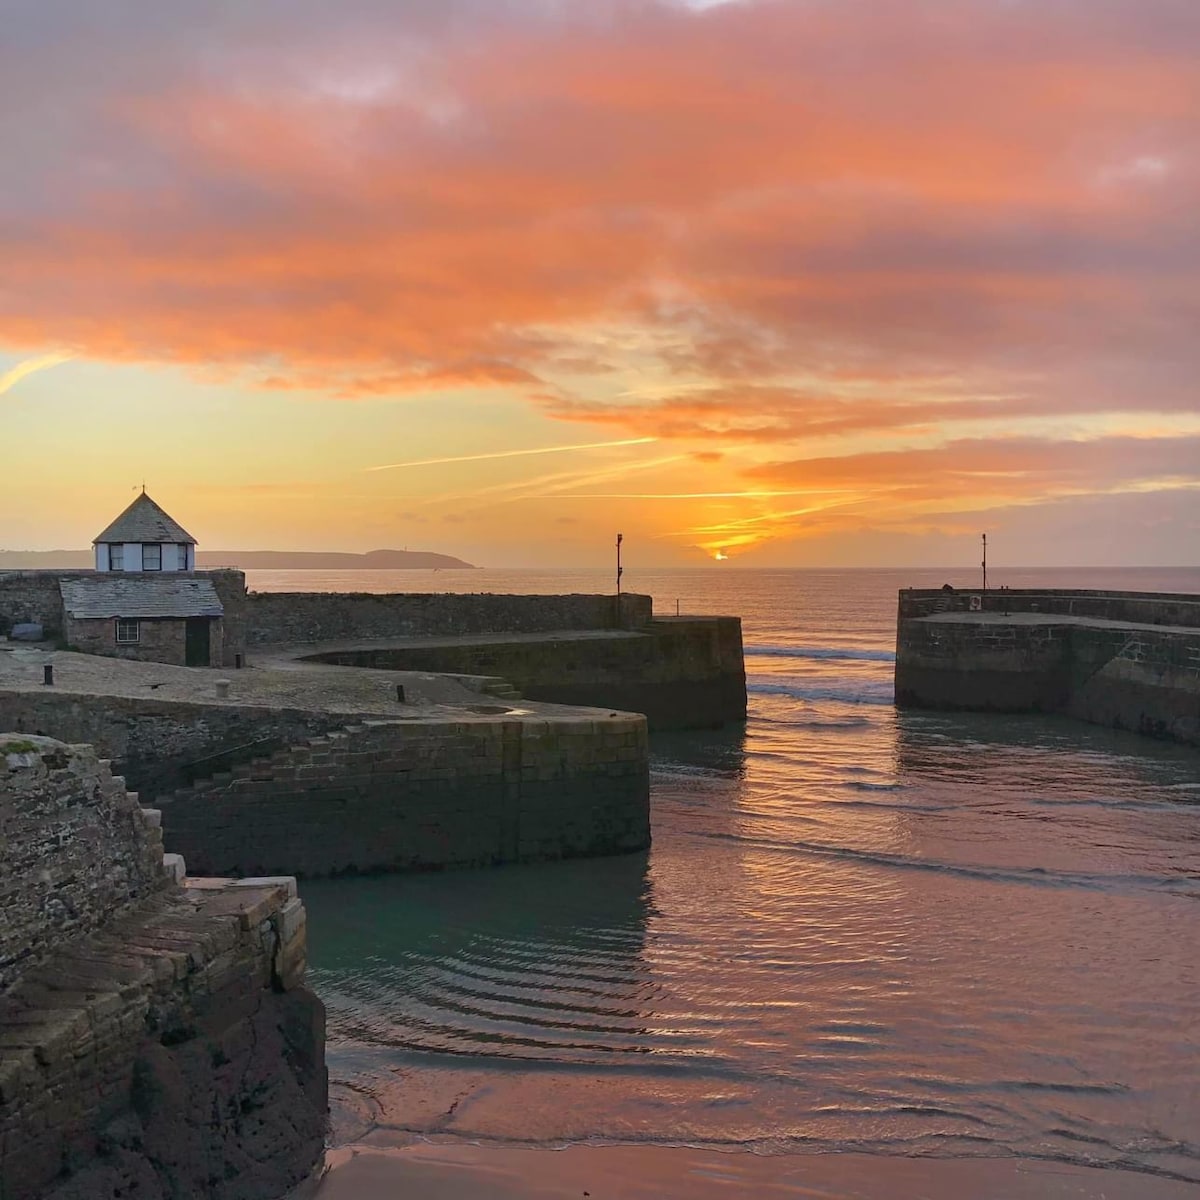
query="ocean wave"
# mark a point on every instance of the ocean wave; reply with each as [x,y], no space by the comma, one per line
[1032,876]
[866,692]
[828,653]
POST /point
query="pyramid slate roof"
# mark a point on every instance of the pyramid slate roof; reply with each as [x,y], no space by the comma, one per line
[101,596]
[144,521]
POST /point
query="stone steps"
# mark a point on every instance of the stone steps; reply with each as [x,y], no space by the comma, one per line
[263,765]
[502,689]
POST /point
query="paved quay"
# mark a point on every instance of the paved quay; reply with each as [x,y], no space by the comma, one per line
[297,651]
[1048,618]
[276,681]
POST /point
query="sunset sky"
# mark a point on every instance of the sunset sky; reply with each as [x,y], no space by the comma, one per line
[796,282]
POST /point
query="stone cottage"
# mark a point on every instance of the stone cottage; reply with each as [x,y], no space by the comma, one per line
[156,620]
[144,600]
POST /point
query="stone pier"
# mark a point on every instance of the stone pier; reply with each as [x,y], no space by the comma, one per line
[1128,660]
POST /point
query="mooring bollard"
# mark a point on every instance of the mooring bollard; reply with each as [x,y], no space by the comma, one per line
[399,693]
[222,689]
[48,674]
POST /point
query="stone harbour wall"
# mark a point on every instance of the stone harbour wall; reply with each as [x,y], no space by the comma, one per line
[1147,682]
[274,618]
[680,672]
[155,1041]
[1040,653]
[174,1054]
[405,795]
[34,596]
[970,665]
[75,849]
[1145,608]
[155,743]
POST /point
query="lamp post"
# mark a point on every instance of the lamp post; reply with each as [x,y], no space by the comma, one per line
[985,562]
[620,569]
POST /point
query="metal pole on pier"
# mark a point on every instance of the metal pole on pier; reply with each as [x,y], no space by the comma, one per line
[985,562]
[620,569]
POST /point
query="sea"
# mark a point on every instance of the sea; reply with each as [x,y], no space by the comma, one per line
[857,929]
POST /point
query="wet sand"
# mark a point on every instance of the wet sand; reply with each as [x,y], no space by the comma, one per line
[466,1171]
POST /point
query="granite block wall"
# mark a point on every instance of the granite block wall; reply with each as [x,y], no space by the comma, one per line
[418,795]
[977,666]
[1147,682]
[1107,671]
[273,618]
[159,640]
[75,849]
[230,586]
[680,672]
[1148,608]
[176,1053]
[33,596]
[154,743]
[154,1042]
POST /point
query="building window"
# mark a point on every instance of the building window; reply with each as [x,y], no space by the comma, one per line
[151,558]
[129,633]
[116,558]
[183,557]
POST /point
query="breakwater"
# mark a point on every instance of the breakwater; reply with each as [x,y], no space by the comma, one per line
[1127,660]
[249,786]
[279,618]
[156,1035]
[418,794]
[681,672]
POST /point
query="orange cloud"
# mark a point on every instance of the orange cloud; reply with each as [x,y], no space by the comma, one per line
[911,201]
[760,223]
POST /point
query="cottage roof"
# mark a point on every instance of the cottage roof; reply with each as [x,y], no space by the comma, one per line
[144,521]
[101,596]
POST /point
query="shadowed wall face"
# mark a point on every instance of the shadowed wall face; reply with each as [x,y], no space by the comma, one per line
[680,672]
[403,796]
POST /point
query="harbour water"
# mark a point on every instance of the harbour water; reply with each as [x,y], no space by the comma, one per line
[857,930]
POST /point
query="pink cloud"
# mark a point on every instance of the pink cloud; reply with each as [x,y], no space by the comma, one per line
[943,199]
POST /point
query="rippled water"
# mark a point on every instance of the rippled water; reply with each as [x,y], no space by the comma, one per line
[857,929]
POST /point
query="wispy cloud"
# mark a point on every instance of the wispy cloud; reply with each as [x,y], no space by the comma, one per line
[742,495]
[29,366]
[461,458]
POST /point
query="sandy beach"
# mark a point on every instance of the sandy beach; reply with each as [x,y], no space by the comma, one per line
[464,1171]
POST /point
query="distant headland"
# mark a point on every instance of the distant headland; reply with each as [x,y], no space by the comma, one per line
[277,560]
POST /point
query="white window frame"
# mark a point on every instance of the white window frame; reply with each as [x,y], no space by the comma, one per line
[126,625]
[116,557]
[153,547]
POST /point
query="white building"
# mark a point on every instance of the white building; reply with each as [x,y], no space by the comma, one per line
[145,538]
